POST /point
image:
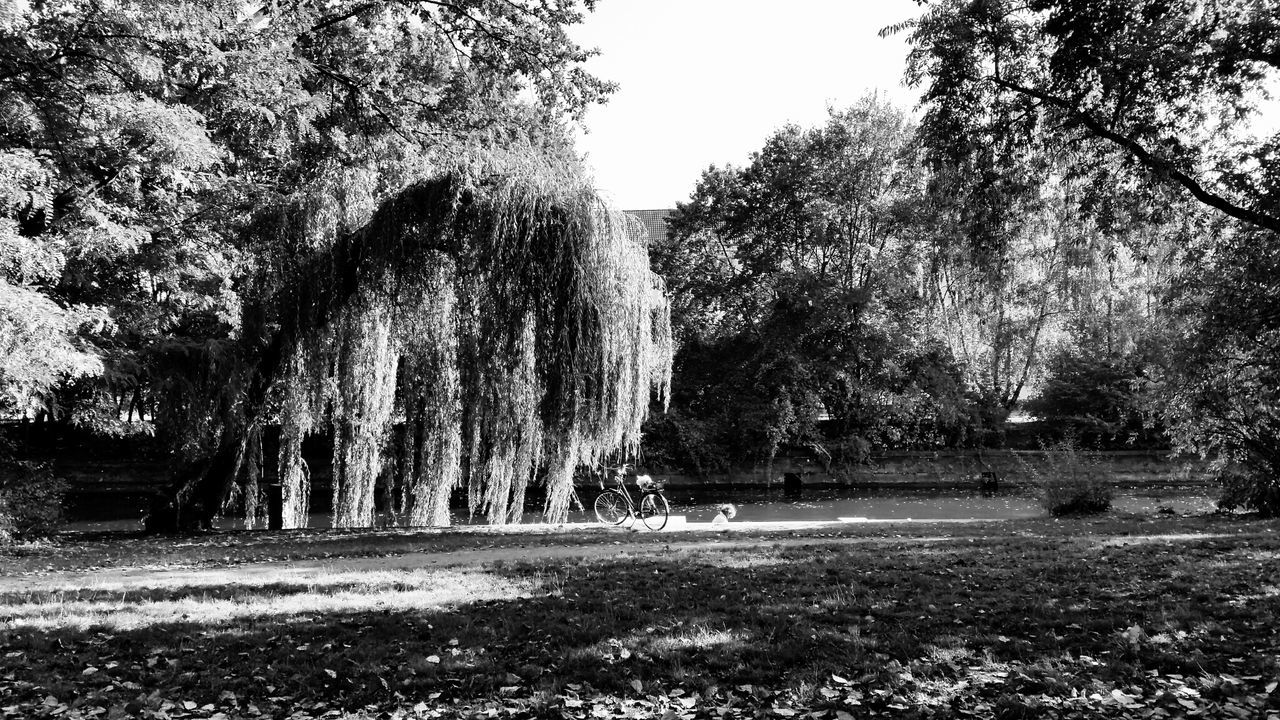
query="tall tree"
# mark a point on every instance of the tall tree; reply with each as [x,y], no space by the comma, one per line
[796,298]
[507,316]
[139,141]
[1146,99]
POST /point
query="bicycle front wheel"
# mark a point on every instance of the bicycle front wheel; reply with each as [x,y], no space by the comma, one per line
[611,507]
[654,511]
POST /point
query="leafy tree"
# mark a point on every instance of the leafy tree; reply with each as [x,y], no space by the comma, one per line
[1147,99]
[1165,85]
[507,315]
[1014,217]
[1220,394]
[141,141]
[797,301]
[1098,399]
[991,292]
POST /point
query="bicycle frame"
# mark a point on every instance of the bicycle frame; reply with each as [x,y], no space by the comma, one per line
[652,509]
[621,486]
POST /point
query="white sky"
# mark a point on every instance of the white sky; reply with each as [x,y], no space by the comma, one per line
[705,82]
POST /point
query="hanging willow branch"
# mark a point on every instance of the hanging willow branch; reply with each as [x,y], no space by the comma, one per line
[499,331]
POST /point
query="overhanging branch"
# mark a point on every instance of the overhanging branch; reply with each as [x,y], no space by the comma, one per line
[1147,158]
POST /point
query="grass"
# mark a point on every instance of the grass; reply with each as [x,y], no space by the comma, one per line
[1107,618]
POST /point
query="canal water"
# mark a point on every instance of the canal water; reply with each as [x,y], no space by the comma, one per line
[833,503]
[826,503]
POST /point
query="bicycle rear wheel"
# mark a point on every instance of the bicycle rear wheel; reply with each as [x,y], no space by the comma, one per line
[611,507]
[654,511]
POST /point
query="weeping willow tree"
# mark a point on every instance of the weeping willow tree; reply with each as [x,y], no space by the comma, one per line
[480,333]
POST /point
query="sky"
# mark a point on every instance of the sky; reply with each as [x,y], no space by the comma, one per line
[705,82]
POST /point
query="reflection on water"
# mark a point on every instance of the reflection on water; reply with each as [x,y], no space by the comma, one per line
[830,503]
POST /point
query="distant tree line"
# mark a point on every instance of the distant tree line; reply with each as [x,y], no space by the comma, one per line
[1081,225]
[836,296]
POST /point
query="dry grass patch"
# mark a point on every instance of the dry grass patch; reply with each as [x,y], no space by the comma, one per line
[213,604]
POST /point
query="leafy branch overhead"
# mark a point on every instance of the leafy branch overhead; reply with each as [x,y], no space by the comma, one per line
[138,142]
[1170,86]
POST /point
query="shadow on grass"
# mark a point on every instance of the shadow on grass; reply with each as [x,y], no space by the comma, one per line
[1012,623]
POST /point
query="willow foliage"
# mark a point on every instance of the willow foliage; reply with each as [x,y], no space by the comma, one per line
[481,331]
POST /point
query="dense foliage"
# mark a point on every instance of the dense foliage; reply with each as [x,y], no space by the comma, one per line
[183,191]
[140,140]
[851,290]
[509,321]
[1222,393]
[1150,106]
[1101,400]
[30,497]
[1162,85]
[209,214]
[796,303]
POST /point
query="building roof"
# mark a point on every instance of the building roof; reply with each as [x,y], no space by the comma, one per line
[654,221]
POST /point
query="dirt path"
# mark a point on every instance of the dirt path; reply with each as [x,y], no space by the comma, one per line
[542,548]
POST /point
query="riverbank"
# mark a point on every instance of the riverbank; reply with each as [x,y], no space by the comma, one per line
[935,469]
[113,479]
[813,504]
[1114,617]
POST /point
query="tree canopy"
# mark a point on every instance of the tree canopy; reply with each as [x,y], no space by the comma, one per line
[796,290]
[1167,85]
[494,329]
[220,216]
[1150,106]
[140,141]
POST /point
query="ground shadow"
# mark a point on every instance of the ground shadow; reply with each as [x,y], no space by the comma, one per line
[1037,618]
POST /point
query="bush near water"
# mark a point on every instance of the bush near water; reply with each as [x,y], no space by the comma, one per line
[1070,481]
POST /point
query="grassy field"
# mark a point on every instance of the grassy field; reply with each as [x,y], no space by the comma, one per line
[1124,617]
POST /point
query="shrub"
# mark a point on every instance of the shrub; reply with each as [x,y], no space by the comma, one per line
[1245,487]
[30,500]
[1070,481]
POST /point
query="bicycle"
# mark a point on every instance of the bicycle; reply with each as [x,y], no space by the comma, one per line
[614,505]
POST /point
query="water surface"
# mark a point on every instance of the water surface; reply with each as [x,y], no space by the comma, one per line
[824,503]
